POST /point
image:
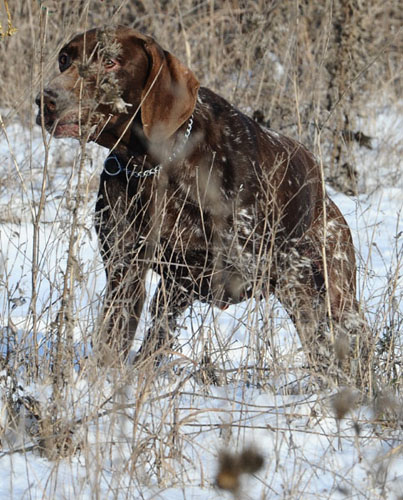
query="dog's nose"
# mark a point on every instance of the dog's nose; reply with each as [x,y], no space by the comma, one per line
[49,100]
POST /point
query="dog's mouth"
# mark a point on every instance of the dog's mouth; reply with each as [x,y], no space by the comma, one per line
[68,126]
[65,129]
[72,123]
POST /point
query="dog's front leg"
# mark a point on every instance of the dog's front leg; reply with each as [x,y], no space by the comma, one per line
[121,222]
[169,302]
[122,308]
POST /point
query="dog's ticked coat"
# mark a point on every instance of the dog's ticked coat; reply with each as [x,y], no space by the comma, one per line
[222,208]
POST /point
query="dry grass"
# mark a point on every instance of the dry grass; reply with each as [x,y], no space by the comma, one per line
[313,71]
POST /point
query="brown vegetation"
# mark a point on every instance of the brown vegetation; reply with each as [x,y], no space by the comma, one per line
[311,70]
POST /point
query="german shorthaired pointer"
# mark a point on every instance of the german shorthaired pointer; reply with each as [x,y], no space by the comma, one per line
[222,208]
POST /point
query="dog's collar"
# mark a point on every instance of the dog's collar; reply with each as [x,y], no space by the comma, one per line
[113,166]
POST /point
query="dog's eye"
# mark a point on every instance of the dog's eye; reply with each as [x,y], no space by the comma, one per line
[64,61]
[109,63]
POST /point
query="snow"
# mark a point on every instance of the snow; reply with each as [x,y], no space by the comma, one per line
[157,434]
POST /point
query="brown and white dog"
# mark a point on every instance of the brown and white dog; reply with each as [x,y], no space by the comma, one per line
[222,208]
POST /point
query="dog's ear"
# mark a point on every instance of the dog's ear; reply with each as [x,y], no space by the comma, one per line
[169,95]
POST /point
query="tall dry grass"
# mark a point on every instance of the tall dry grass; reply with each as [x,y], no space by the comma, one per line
[308,69]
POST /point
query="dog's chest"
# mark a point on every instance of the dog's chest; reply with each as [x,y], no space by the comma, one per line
[187,226]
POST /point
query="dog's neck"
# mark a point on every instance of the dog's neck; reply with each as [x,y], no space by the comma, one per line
[140,158]
[125,136]
[132,145]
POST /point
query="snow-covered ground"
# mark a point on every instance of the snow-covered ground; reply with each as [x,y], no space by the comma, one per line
[158,433]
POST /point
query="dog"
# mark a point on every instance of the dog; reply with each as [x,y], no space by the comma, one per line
[221,207]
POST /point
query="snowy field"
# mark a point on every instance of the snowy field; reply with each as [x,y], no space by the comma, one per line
[158,433]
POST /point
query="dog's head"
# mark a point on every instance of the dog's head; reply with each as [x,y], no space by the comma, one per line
[107,76]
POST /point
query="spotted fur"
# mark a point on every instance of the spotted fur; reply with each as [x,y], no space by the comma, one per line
[242,204]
